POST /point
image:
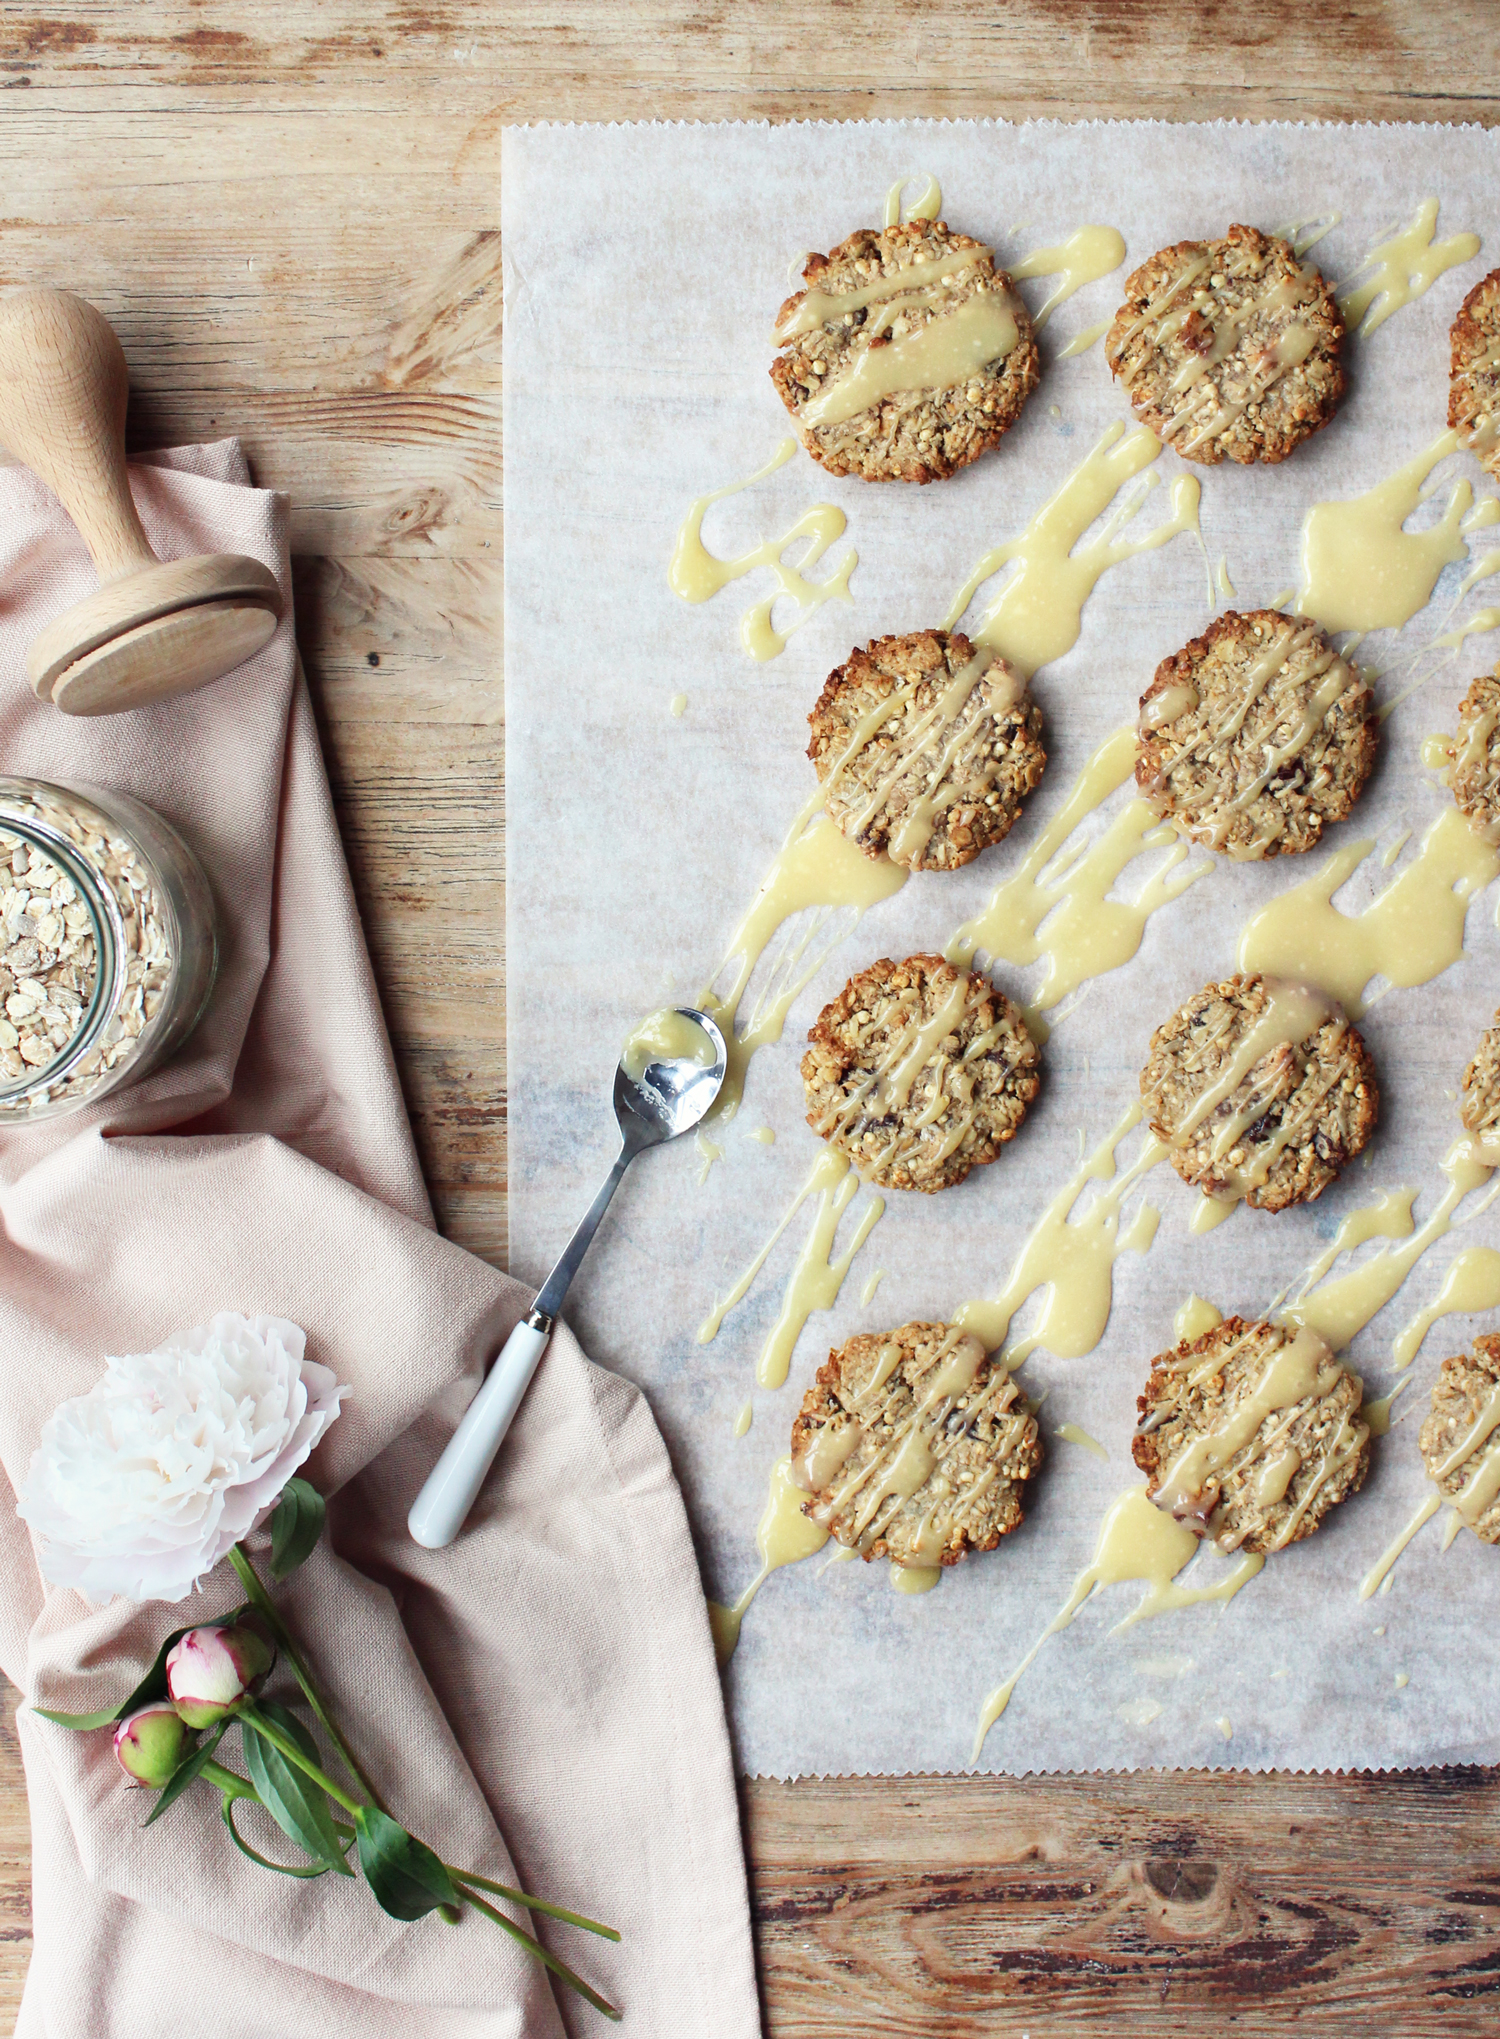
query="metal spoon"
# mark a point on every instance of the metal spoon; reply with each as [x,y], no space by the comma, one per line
[668,1098]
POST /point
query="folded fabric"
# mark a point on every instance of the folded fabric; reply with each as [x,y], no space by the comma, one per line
[541,1698]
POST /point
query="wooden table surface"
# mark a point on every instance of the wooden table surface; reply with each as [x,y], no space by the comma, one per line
[290,211]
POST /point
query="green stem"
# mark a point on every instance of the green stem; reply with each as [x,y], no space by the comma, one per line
[295,1757]
[532,1904]
[540,1953]
[265,1606]
[229,1781]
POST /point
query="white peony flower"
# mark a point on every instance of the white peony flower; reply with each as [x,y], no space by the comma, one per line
[143,1484]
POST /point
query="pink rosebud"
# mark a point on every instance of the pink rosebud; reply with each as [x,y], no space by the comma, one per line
[151,1742]
[211,1672]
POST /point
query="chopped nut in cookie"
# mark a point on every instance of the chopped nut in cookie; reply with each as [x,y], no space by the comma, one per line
[919,1072]
[914,1446]
[1261,1089]
[907,355]
[1251,1433]
[927,749]
[1229,349]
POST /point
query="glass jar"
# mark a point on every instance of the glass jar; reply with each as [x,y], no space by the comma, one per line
[108,945]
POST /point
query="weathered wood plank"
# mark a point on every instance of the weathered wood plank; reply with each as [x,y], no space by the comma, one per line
[1114,1905]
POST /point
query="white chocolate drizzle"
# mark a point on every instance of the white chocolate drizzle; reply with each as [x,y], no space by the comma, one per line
[817,1276]
[1088,254]
[1136,1542]
[666,1036]
[1471,1283]
[1036,616]
[1059,906]
[1074,1433]
[1361,568]
[784,1537]
[1408,935]
[1401,268]
[1338,1308]
[1071,1254]
[928,203]
[942,353]
[820,307]
[696,574]
[1195,1319]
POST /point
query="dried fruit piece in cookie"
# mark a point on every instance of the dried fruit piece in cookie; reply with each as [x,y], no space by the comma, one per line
[1261,1089]
[907,355]
[1229,349]
[1474,374]
[1256,735]
[1473,772]
[914,1446]
[927,749]
[1479,1097]
[1251,1433]
[919,1072]
[1460,1441]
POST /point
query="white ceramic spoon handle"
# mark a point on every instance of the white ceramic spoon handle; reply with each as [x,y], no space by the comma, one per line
[437,1514]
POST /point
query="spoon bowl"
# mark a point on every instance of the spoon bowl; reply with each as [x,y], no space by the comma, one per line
[673,1092]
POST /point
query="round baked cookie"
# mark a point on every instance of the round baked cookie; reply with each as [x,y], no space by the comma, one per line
[1261,1089]
[943,773]
[1474,757]
[1479,1095]
[1460,1440]
[1251,1434]
[1229,350]
[1256,735]
[907,356]
[1474,373]
[924,1395]
[919,1072]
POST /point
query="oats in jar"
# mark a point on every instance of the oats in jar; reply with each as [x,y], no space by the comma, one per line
[48,959]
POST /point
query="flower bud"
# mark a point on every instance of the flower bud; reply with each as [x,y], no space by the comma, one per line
[211,1672]
[151,1742]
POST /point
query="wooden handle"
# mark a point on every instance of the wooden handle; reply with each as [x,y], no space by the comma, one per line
[63,390]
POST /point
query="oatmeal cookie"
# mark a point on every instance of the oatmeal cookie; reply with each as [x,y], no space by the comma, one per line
[1474,373]
[1256,735]
[943,773]
[1460,1441]
[1479,1097]
[919,1072]
[922,1399]
[1474,757]
[907,356]
[1261,1089]
[1251,1434]
[1229,350]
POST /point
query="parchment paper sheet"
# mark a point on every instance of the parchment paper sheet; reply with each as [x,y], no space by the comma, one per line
[643,268]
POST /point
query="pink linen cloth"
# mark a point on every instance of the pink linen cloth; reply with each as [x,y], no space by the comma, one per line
[540,1701]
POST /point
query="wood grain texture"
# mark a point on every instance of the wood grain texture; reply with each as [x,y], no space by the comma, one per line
[291,215]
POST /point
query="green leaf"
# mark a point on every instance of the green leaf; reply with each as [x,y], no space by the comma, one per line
[298,1806]
[152,1686]
[406,1877]
[281,1868]
[79,1721]
[186,1771]
[296,1525]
